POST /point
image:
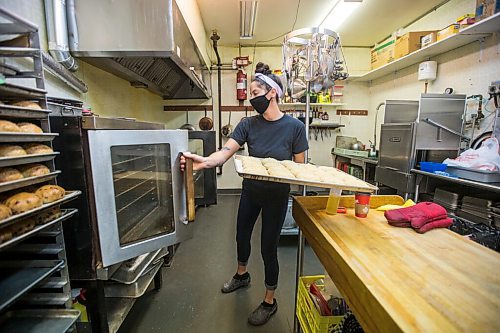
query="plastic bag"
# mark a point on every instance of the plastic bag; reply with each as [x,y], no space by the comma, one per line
[485,157]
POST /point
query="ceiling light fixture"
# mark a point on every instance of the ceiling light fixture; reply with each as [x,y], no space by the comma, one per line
[339,13]
[248,12]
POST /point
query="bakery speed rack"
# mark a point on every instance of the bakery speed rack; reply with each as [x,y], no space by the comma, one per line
[34,282]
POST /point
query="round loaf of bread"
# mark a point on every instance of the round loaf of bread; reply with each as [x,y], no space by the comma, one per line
[50,193]
[37,148]
[5,235]
[48,215]
[33,170]
[5,212]
[28,104]
[9,174]
[11,151]
[23,202]
[29,128]
[8,126]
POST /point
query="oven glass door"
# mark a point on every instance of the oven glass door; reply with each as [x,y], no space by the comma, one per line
[139,191]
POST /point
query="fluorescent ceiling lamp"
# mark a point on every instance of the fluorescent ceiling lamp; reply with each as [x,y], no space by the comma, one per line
[339,13]
[248,12]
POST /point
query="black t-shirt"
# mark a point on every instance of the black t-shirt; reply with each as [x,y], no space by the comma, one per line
[279,139]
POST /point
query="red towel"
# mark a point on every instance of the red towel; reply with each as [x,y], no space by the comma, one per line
[443,223]
[418,215]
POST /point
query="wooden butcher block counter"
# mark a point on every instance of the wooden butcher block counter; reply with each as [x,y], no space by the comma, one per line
[396,280]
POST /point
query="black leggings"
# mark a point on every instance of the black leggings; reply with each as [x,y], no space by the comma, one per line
[272,200]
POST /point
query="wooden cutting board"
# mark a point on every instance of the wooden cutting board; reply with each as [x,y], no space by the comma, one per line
[396,280]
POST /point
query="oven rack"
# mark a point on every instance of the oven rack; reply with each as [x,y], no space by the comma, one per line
[70,195]
[16,92]
[28,181]
[45,241]
[26,137]
[20,112]
[43,320]
[27,159]
[65,214]
[17,280]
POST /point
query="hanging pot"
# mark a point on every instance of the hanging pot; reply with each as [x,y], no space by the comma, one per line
[187,125]
[227,130]
[206,123]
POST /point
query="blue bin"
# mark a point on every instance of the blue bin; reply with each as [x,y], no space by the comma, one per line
[432,166]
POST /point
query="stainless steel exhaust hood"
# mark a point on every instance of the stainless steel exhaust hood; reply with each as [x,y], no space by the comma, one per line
[146,42]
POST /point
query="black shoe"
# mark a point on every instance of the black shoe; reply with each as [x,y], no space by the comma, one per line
[262,314]
[234,284]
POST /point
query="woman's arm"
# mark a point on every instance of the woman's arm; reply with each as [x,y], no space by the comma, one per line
[299,158]
[214,160]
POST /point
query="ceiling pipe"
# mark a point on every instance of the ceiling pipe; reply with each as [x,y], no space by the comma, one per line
[57,33]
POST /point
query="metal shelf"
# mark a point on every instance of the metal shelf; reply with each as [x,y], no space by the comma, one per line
[134,290]
[27,159]
[326,125]
[312,104]
[8,186]
[70,195]
[66,214]
[8,137]
[13,91]
[19,52]
[493,187]
[12,111]
[36,321]
[466,36]
[118,311]
[17,281]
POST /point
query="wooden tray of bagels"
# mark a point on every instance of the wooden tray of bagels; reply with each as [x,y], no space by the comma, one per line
[269,169]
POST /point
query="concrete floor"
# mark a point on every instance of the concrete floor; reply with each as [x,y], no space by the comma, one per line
[191,301]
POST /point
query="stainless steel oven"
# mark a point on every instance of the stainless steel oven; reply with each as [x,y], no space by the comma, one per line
[138,190]
[134,194]
[135,206]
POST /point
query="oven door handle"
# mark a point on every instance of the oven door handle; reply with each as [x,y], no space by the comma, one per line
[188,179]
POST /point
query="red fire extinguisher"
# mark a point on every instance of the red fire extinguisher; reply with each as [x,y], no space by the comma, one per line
[241,85]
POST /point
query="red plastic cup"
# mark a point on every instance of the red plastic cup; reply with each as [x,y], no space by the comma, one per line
[362,204]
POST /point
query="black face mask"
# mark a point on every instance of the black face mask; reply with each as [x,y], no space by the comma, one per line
[260,103]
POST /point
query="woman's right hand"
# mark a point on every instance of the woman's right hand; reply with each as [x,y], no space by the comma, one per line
[199,162]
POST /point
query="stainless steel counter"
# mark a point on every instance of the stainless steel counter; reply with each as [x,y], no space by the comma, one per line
[492,187]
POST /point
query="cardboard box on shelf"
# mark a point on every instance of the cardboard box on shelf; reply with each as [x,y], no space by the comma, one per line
[408,43]
[382,54]
[485,8]
[429,39]
[448,31]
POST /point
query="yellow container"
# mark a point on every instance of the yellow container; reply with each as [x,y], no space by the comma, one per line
[309,317]
[333,201]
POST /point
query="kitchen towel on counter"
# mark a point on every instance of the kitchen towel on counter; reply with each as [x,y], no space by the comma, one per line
[408,203]
[422,217]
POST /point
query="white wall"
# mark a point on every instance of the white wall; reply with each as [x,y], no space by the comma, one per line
[468,69]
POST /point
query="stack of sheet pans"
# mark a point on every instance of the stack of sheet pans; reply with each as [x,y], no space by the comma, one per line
[448,199]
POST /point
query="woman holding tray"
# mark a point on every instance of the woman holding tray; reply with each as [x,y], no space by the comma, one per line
[273,134]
